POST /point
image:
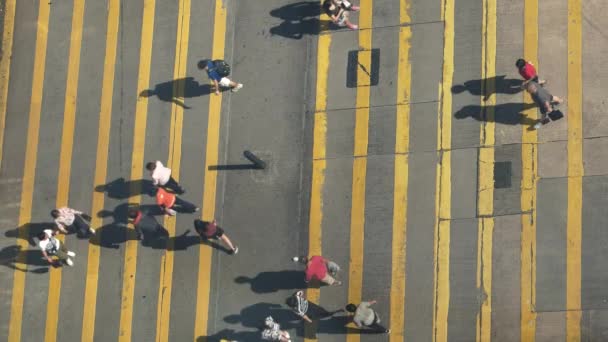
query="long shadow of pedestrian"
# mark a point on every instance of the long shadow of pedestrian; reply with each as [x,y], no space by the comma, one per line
[253,316]
[231,335]
[121,188]
[266,282]
[165,91]
[117,232]
[185,241]
[33,229]
[506,113]
[12,255]
[502,85]
[299,19]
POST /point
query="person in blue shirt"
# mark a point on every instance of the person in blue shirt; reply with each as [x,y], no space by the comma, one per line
[218,81]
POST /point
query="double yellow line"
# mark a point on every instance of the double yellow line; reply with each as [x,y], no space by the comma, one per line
[29,173]
[65,160]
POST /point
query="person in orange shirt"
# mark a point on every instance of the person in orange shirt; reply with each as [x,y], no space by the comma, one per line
[171,204]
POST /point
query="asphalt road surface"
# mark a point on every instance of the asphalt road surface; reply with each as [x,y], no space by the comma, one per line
[404,151]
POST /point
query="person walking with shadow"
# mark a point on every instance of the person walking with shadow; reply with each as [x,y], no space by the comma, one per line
[308,311]
[319,268]
[161,176]
[67,217]
[544,100]
[210,230]
[365,317]
[338,14]
[171,204]
[218,72]
[146,226]
[272,331]
[50,245]
[527,72]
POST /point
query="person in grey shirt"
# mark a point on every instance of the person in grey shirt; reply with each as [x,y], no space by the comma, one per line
[366,317]
[544,100]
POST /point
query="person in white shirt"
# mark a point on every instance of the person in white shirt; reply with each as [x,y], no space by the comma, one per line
[273,332]
[161,176]
[50,245]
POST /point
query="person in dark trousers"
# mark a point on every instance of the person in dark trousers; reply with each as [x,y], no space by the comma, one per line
[218,81]
[365,317]
[307,310]
[146,226]
[527,72]
[170,203]
[544,100]
[67,217]
[210,230]
[161,176]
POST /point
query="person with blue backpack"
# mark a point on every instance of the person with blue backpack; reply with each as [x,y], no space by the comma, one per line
[218,72]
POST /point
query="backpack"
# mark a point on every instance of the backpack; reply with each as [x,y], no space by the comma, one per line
[221,67]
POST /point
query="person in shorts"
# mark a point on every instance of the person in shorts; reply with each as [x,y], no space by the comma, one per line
[527,72]
[210,230]
[272,331]
[338,14]
[544,100]
[319,268]
[218,81]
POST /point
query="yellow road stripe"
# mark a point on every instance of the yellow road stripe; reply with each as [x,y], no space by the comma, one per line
[137,161]
[529,158]
[29,171]
[575,171]
[357,214]
[485,192]
[65,160]
[443,183]
[402,140]
[315,231]
[175,153]
[210,178]
[5,64]
[103,140]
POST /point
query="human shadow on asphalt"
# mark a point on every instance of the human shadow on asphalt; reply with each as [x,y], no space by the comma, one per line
[165,91]
[231,335]
[299,19]
[121,188]
[31,230]
[506,113]
[266,282]
[253,316]
[12,255]
[502,85]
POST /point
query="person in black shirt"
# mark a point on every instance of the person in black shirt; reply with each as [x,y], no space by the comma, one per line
[338,14]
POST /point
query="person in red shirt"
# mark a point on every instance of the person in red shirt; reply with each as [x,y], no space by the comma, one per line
[170,203]
[210,230]
[317,267]
[528,72]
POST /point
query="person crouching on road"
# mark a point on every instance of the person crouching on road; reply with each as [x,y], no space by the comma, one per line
[67,217]
[171,204]
[338,14]
[50,245]
[319,268]
[210,230]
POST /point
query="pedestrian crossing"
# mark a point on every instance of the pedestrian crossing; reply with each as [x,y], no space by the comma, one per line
[399,190]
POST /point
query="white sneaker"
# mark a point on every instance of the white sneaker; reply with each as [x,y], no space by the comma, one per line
[92,231]
[69,262]
[237,88]
[537,126]
[72,254]
[171,212]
